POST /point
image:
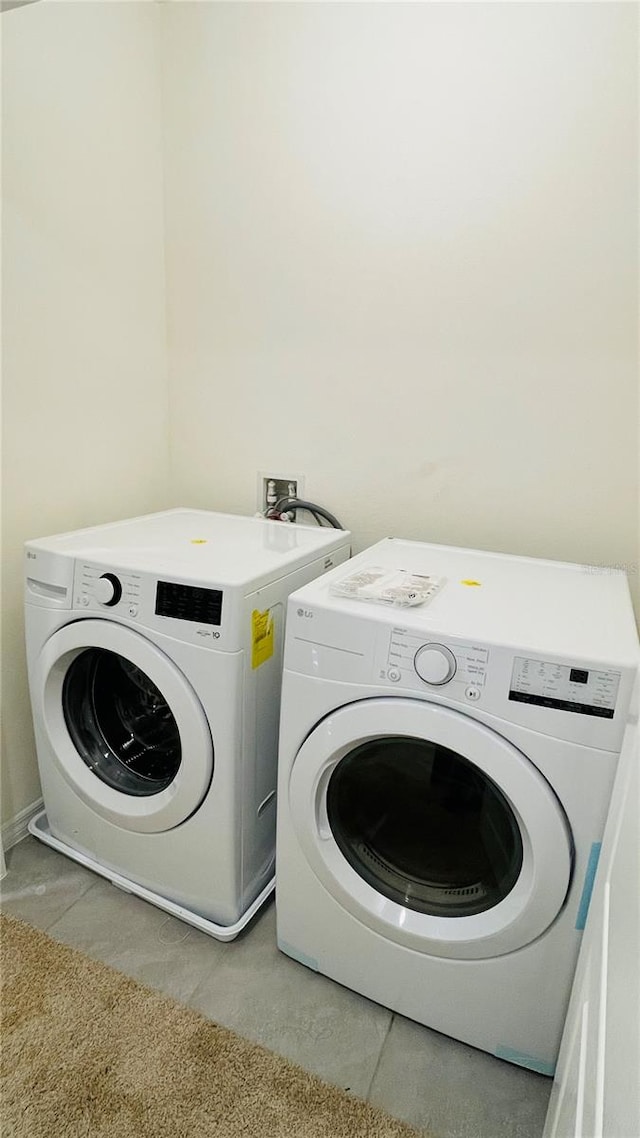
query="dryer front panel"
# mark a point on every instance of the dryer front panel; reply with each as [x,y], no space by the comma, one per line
[431,828]
[124,726]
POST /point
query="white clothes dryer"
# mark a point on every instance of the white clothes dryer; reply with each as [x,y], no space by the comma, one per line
[444,777]
[154,650]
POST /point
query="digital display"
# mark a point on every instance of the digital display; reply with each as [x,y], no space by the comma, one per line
[189,602]
[578,676]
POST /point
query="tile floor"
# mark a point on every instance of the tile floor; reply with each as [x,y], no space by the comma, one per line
[416,1074]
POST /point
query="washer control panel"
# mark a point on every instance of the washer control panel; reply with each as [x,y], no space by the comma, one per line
[108,589]
[189,612]
[98,589]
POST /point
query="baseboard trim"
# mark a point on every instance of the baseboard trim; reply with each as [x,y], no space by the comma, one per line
[17,827]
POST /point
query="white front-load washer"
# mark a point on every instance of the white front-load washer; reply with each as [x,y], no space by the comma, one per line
[444,777]
[154,651]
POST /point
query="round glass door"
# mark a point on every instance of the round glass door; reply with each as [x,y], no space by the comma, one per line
[424,826]
[120,723]
[430,828]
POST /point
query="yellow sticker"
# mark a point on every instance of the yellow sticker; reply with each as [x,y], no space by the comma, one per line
[261,637]
[469,582]
[198,540]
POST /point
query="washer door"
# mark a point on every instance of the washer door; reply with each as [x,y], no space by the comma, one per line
[124,726]
[430,828]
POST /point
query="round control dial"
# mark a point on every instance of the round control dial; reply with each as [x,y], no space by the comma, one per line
[435,664]
[107,589]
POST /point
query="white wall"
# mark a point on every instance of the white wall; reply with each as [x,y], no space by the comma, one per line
[84,346]
[402,257]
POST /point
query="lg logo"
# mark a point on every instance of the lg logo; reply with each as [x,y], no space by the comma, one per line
[305,613]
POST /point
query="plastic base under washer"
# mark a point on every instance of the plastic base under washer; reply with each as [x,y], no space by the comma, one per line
[39,827]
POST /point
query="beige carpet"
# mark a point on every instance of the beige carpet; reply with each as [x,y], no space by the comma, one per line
[89,1053]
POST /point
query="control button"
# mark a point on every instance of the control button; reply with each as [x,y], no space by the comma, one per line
[393,674]
[472,693]
[107,589]
[133,610]
[84,599]
[435,664]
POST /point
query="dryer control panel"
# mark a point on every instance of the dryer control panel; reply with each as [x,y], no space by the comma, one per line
[459,670]
[574,700]
[412,656]
[583,691]
[577,700]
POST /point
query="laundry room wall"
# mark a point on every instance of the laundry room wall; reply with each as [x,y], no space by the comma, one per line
[402,260]
[84,349]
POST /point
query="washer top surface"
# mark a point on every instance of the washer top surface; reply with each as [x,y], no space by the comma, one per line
[199,545]
[566,609]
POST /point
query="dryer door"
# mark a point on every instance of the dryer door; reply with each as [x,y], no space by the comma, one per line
[123,725]
[430,828]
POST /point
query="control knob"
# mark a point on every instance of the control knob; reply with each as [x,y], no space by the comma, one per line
[435,664]
[108,589]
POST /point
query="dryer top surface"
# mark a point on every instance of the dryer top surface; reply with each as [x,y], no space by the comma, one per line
[199,545]
[569,610]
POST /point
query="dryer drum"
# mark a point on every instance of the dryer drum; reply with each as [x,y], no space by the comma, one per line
[120,723]
[424,826]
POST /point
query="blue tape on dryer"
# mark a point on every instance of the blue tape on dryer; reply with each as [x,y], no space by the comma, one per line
[587,888]
[295,954]
[523,1059]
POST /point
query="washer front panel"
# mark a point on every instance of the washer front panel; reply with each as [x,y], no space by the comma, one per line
[535,865]
[120,799]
